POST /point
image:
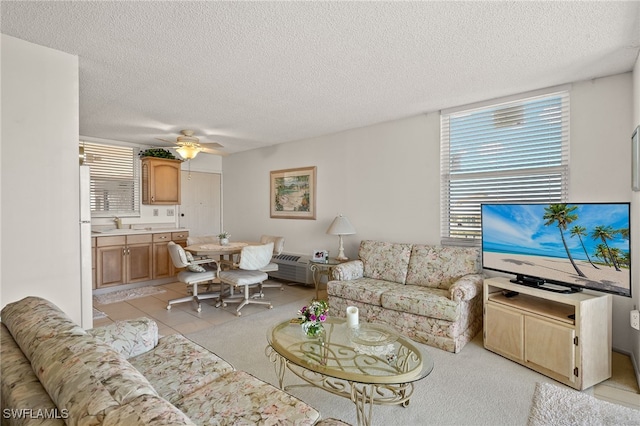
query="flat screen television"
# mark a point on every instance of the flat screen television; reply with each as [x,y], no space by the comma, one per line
[560,247]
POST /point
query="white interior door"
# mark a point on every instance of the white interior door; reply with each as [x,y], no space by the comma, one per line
[201,208]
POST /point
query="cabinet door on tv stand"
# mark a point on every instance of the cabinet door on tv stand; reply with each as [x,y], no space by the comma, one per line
[504,331]
[550,345]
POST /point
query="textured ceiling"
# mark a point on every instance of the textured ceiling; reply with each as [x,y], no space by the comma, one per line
[252,74]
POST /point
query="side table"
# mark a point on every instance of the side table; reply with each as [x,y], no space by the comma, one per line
[320,268]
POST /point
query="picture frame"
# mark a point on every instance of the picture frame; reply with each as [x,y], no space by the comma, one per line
[635,160]
[320,255]
[293,193]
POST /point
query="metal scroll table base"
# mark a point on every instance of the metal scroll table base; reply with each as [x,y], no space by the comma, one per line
[363,395]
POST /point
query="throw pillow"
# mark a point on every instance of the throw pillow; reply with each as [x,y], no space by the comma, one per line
[195,268]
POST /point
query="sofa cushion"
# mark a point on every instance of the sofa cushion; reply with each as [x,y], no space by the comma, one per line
[144,411]
[130,337]
[425,301]
[80,374]
[177,367]
[385,261]
[21,389]
[366,290]
[239,398]
[439,267]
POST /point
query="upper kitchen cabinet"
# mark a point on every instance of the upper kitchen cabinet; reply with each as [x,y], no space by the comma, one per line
[160,181]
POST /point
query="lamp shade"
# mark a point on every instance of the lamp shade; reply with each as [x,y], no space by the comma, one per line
[188,152]
[341,226]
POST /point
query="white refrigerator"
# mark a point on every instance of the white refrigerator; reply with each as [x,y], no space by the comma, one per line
[86,286]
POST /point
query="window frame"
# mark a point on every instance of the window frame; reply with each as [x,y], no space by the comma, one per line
[113,152]
[556,174]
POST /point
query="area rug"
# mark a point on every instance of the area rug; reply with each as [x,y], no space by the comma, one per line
[554,405]
[97,314]
[122,295]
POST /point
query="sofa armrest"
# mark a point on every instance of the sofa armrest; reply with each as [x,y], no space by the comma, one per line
[350,270]
[466,287]
[130,337]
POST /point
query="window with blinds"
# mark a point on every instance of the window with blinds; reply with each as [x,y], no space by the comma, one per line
[114,179]
[515,151]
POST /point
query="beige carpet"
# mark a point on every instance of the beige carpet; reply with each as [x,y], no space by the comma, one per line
[474,387]
[559,406]
[122,295]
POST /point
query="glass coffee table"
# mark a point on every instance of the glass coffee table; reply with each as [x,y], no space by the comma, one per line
[372,364]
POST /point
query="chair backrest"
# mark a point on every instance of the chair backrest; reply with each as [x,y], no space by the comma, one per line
[209,239]
[178,255]
[253,258]
[278,243]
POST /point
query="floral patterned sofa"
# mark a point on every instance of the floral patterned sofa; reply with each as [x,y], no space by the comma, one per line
[432,294]
[54,372]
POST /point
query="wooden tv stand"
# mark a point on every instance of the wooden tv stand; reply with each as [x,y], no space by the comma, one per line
[564,336]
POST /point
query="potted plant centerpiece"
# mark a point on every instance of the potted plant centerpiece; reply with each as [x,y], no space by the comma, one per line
[224,238]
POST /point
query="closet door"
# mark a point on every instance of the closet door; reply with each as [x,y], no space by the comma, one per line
[201,208]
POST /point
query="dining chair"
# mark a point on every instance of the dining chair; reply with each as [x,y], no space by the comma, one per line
[196,272]
[278,246]
[248,275]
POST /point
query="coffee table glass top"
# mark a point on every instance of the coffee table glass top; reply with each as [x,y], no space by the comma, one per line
[372,353]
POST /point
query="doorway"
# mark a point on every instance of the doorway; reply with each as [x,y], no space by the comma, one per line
[201,208]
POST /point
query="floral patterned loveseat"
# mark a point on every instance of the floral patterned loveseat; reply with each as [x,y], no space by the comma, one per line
[54,372]
[432,294]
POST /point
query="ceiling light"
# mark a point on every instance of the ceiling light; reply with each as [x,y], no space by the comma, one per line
[188,152]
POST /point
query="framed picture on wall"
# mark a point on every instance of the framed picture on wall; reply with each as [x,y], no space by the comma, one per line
[635,160]
[293,193]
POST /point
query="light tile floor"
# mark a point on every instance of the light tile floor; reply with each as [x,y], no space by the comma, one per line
[622,388]
[183,318]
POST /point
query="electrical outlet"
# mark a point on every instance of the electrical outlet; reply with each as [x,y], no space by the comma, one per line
[170,212]
[155,212]
[635,319]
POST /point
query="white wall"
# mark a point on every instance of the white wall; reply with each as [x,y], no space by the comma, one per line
[635,210]
[601,123]
[385,178]
[380,177]
[40,205]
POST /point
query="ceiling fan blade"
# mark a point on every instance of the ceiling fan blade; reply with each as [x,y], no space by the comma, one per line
[165,140]
[212,145]
[213,151]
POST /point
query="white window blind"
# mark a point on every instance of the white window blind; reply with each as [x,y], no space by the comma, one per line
[515,151]
[114,179]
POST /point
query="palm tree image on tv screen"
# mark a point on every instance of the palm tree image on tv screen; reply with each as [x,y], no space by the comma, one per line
[579,245]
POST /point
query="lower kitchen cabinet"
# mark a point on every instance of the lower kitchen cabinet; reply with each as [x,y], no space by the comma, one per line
[162,264]
[123,259]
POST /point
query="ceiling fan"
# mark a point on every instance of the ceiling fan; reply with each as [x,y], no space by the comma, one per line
[188,146]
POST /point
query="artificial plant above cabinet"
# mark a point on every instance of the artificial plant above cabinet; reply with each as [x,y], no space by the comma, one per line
[160,181]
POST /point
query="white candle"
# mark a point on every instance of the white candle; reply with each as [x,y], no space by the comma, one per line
[352,316]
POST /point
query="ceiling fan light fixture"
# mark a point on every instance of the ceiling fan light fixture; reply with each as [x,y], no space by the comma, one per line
[188,152]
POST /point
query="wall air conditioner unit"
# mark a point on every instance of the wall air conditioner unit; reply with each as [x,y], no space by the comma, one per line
[293,267]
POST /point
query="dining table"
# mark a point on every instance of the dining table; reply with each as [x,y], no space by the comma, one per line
[212,250]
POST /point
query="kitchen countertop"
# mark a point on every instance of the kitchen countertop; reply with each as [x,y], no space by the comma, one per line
[114,231]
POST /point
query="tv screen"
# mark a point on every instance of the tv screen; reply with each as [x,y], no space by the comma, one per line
[575,245]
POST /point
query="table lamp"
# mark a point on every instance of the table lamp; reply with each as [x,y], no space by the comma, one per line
[341,226]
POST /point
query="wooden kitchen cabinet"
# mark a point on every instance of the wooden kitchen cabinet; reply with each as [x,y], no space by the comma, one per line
[123,259]
[93,264]
[564,336]
[162,264]
[160,181]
